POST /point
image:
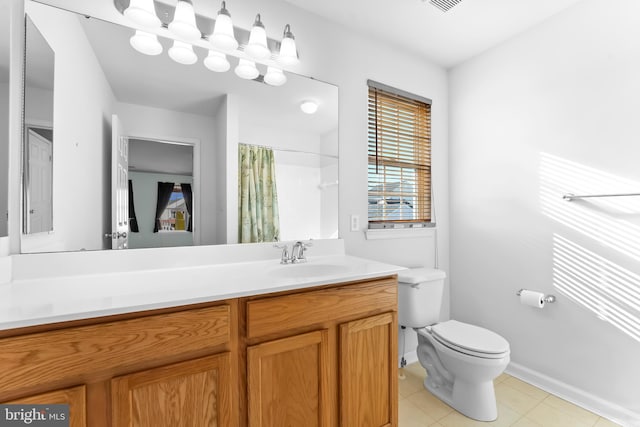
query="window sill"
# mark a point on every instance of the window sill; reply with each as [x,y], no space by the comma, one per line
[399,233]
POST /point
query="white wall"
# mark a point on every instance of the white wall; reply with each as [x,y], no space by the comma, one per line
[220,166]
[330,177]
[82,135]
[4,150]
[553,111]
[145,196]
[16,53]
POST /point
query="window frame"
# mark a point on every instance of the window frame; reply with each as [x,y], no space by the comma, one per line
[418,132]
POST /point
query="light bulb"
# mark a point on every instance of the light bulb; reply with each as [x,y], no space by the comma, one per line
[184,22]
[309,107]
[223,37]
[217,61]
[143,12]
[275,77]
[257,46]
[288,52]
[246,69]
[146,43]
[182,53]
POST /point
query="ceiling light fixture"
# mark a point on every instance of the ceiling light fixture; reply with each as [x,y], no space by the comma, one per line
[288,51]
[257,46]
[146,43]
[217,61]
[275,77]
[309,107]
[182,53]
[184,21]
[223,37]
[254,47]
[246,69]
[143,13]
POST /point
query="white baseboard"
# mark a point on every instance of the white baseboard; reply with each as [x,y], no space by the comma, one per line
[574,395]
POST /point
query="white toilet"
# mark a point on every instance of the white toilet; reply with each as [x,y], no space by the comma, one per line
[461,360]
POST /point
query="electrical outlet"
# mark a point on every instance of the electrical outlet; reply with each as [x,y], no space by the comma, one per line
[355,222]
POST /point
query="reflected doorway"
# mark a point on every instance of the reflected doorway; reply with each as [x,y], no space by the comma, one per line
[38,180]
[162,195]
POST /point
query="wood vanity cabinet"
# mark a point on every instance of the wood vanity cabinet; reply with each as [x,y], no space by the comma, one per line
[325,356]
[166,368]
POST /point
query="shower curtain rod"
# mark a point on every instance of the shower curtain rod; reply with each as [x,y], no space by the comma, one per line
[290,150]
[569,197]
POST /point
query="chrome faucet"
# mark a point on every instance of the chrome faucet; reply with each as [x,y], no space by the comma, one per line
[297,252]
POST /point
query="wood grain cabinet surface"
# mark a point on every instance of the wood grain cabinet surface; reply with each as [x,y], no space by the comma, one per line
[325,357]
[196,393]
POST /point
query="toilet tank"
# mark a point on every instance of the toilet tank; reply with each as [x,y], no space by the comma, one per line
[420,296]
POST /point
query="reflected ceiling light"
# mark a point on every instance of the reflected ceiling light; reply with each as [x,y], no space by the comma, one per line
[143,12]
[246,69]
[217,61]
[223,37]
[257,47]
[275,77]
[182,53]
[288,52]
[309,107]
[146,43]
[184,21]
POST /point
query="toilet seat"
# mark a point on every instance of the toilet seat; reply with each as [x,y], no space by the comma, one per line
[471,340]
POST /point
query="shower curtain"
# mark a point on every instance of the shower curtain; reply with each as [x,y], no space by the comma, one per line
[257,195]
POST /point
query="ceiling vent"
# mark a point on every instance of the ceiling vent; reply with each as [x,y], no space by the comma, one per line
[444,5]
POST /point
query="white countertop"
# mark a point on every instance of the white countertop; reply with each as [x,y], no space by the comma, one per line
[29,302]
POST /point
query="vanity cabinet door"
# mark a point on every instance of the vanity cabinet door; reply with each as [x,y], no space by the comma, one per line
[368,372]
[288,381]
[196,393]
[75,397]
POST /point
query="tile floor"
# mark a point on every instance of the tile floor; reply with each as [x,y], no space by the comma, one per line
[519,405]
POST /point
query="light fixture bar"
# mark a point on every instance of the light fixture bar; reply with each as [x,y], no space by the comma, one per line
[205,24]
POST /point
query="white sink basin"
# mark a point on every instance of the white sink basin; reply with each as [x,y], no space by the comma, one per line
[308,270]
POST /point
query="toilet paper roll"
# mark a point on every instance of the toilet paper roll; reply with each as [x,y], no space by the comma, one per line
[532,298]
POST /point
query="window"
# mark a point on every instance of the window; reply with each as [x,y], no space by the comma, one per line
[175,217]
[399,140]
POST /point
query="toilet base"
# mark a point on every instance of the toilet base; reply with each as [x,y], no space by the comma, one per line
[476,401]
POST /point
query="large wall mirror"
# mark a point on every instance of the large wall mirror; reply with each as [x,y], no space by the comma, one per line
[5,16]
[151,153]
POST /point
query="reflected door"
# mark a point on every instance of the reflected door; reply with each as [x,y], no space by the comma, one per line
[39,183]
[119,186]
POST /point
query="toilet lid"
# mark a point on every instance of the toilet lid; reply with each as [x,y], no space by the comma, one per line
[469,338]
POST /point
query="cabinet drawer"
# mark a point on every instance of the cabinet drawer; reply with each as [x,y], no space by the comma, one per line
[79,352]
[276,314]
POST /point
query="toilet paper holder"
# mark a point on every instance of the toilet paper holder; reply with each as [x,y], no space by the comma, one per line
[547,298]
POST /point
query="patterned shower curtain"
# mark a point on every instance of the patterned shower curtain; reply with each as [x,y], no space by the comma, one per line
[257,195]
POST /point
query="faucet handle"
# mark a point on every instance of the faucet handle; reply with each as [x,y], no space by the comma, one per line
[284,258]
